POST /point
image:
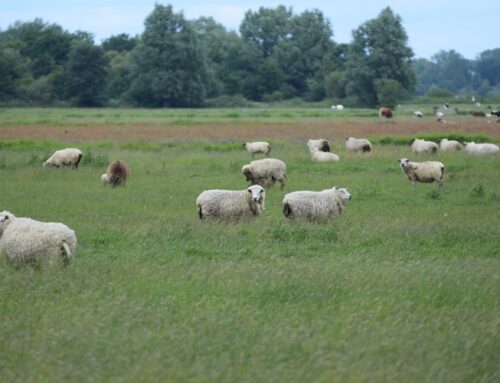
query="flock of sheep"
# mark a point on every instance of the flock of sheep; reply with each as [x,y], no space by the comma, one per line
[26,241]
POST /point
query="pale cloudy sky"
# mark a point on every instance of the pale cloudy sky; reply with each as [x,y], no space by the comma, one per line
[467,26]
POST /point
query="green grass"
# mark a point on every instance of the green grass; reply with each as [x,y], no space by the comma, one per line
[403,287]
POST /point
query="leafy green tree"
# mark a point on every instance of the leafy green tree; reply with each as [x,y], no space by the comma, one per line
[119,43]
[488,65]
[86,74]
[379,51]
[452,71]
[168,66]
[12,71]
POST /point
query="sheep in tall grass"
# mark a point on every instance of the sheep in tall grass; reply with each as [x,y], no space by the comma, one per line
[231,204]
[26,241]
[419,146]
[116,174]
[265,172]
[481,149]
[315,206]
[320,144]
[358,145]
[425,172]
[64,157]
[450,145]
[258,147]
[319,156]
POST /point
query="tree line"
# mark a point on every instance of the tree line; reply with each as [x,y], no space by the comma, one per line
[276,55]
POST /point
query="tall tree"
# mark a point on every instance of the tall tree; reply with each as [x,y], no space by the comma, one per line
[168,66]
[119,43]
[12,70]
[86,74]
[379,52]
[488,65]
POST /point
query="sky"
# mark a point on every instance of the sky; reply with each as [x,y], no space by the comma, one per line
[468,27]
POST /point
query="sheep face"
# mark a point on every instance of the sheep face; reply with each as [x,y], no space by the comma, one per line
[403,162]
[344,194]
[257,193]
[5,219]
[247,172]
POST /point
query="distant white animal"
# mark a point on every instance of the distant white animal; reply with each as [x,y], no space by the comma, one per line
[418,114]
[64,157]
[319,156]
[439,116]
[321,144]
[450,145]
[358,145]
[419,146]
[425,172]
[481,149]
[26,241]
[258,147]
[265,172]
[231,204]
[477,105]
[116,174]
[315,206]
[338,107]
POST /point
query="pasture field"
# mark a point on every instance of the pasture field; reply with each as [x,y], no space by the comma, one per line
[403,287]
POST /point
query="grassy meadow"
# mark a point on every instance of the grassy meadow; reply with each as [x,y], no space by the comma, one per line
[403,287]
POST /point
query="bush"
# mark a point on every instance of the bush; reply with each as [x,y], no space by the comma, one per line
[439,92]
[227,101]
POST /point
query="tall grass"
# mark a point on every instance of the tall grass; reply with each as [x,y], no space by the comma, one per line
[404,286]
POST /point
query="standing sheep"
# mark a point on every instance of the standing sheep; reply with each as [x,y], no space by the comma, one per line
[315,206]
[425,172]
[64,157]
[116,174]
[26,241]
[265,172]
[321,144]
[385,112]
[450,145]
[319,156]
[258,147]
[419,146]
[231,204]
[480,149]
[358,145]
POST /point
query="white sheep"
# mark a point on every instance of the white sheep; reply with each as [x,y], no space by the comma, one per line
[319,156]
[450,145]
[321,144]
[418,114]
[315,206]
[116,174]
[26,241]
[231,204]
[480,149]
[439,116]
[358,144]
[64,157]
[338,107]
[258,147]
[425,172]
[265,172]
[419,146]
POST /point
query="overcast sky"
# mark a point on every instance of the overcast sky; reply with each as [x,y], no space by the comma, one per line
[469,27]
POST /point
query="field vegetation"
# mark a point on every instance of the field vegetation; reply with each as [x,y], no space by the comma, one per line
[404,286]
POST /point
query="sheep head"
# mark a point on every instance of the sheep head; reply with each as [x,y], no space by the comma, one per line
[5,219]
[256,197]
[247,172]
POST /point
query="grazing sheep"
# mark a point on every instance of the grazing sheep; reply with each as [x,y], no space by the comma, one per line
[385,112]
[426,172]
[418,114]
[26,241]
[315,206]
[477,105]
[258,147]
[116,174]
[231,204]
[495,113]
[480,149]
[358,145]
[64,157]
[419,146]
[320,144]
[265,172]
[338,107]
[319,156]
[450,145]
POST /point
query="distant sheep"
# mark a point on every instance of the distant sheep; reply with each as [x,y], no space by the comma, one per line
[64,157]
[425,172]
[480,149]
[258,147]
[26,241]
[265,172]
[419,146]
[321,144]
[418,114]
[358,145]
[450,145]
[231,204]
[338,107]
[319,156]
[479,114]
[315,206]
[385,112]
[116,174]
